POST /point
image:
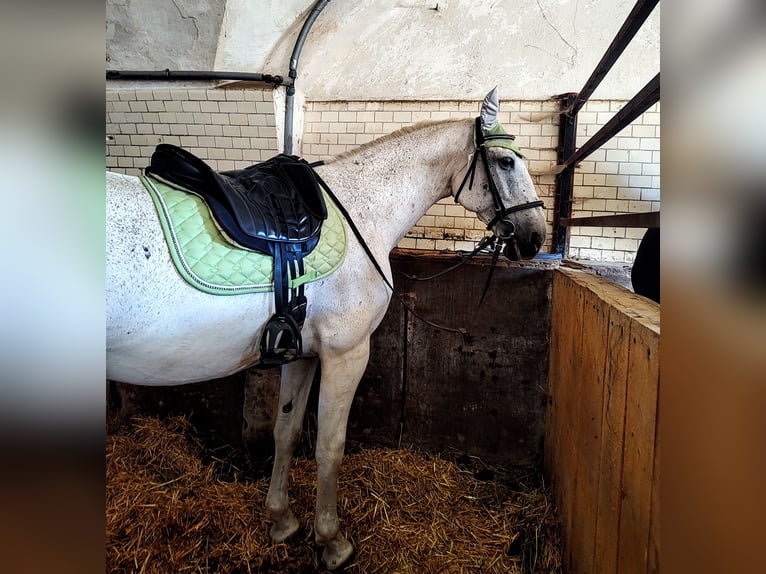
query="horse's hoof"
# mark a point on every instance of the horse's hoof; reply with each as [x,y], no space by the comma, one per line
[337,554]
[284,529]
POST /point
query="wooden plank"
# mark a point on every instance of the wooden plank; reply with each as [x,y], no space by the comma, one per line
[551,405]
[376,413]
[483,392]
[556,383]
[641,309]
[592,356]
[259,409]
[653,558]
[612,444]
[568,371]
[638,104]
[214,407]
[639,456]
[643,219]
[592,366]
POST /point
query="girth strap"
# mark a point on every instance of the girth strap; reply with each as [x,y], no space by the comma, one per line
[281,341]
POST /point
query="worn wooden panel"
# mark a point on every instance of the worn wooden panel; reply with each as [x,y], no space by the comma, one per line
[638,468]
[653,557]
[214,407]
[592,355]
[568,311]
[557,380]
[612,433]
[259,408]
[604,381]
[484,392]
[376,413]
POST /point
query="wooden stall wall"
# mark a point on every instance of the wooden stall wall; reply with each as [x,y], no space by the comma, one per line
[482,393]
[601,438]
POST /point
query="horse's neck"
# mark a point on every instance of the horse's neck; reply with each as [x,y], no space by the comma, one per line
[387,186]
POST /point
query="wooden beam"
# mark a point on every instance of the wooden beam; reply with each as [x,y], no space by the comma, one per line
[632,24]
[644,219]
[642,101]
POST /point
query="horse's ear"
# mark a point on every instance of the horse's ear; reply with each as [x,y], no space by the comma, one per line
[489,109]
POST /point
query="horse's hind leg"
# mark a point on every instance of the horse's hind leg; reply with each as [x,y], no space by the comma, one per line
[340,377]
[293,393]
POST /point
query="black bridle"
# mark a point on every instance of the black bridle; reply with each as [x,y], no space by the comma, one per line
[501,211]
[495,243]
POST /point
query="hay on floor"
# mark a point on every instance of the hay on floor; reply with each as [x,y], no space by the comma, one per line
[175,506]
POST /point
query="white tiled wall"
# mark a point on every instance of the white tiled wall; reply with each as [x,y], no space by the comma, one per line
[233,128]
[334,127]
[623,176]
[229,128]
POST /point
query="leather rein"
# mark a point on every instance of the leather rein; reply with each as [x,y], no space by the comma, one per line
[495,242]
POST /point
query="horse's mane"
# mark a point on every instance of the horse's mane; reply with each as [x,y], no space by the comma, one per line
[395,134]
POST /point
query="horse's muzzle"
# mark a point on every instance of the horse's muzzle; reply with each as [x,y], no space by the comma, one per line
[516,250]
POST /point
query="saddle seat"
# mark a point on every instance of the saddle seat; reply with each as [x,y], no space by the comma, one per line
[275,207]
[272,202]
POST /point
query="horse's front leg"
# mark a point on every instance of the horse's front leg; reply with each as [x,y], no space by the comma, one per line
[294,390]
[340,376]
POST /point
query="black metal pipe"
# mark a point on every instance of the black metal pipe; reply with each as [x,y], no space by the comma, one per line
[562,208]
[632,24]
[193,75]
[293,72]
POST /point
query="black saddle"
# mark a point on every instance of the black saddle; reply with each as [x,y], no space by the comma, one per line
[275,207]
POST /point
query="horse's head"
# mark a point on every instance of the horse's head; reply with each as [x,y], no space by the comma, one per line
[498,188]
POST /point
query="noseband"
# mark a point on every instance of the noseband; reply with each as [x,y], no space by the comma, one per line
[501,211]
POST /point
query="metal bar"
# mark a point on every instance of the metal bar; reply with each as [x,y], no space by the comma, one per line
[186,75]
[632,24]
[293,73]
[644,219]
[562,208]
[643,100]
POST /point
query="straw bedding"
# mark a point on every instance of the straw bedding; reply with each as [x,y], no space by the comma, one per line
[177,505]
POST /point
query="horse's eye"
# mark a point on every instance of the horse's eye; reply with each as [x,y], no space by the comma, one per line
[506,162]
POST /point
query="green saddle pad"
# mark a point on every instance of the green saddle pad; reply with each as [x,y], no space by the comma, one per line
[209,262]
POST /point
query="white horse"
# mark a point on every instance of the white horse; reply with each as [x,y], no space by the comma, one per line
[162,331]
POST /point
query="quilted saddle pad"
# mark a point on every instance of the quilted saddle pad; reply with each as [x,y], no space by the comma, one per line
[209,262]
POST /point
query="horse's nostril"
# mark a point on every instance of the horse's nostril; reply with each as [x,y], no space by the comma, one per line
[536,240]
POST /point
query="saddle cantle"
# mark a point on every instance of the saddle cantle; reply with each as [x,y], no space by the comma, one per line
[274,207]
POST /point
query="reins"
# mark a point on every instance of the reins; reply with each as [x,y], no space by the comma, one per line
[492,242]
[465,257]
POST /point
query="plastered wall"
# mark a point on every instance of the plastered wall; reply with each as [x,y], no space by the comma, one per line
[370,67]
[229,128]
[391,50]
[440,49]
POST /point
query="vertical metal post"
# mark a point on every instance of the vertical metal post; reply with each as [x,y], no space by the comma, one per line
[565,180]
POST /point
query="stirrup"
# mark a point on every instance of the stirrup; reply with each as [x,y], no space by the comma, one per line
[281,341]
